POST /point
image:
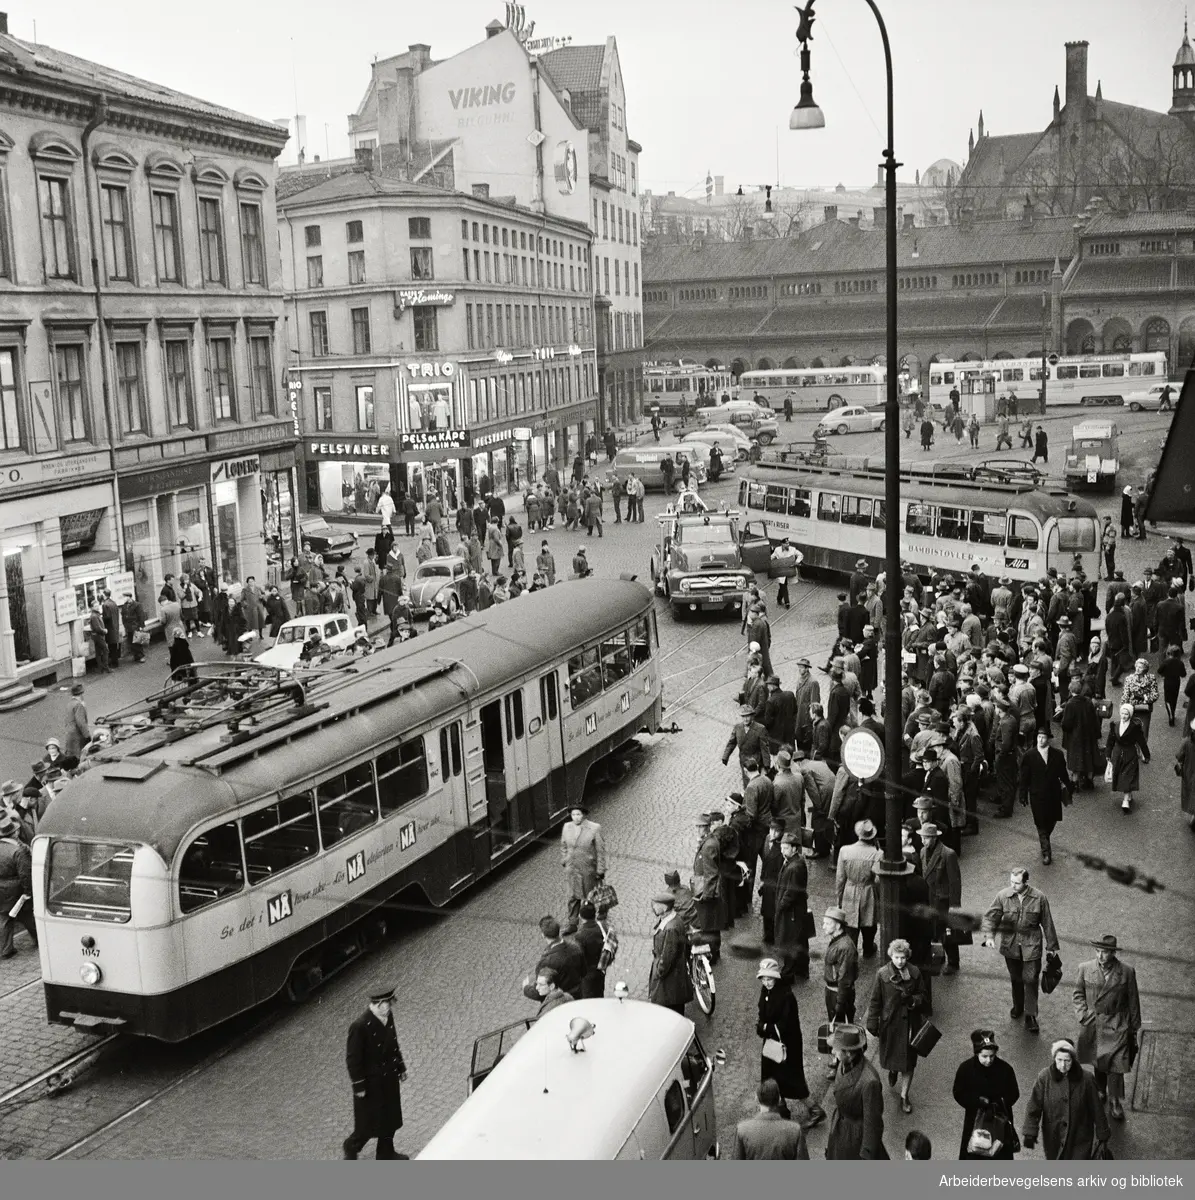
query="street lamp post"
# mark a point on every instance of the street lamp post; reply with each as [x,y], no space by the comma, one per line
[892,868]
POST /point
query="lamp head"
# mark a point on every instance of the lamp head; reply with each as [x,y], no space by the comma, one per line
[579,1030]
[807,114]
[621,991]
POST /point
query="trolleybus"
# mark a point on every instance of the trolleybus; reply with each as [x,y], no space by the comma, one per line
[836,516]
[247,835]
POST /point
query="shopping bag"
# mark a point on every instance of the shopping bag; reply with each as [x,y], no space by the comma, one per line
[602,896]
[1108,772]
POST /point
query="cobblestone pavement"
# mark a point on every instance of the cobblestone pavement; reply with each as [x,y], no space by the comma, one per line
[458,974]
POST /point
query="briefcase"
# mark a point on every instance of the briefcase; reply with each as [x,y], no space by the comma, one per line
[937,959]
[824,1034]
[925,1039]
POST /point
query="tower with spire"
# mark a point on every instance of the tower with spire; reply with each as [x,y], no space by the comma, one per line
[1183,75]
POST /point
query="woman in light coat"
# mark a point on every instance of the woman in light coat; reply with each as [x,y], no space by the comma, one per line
[583,857]
[1126,748]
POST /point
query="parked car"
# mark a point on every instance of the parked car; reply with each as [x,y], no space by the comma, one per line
[1008,470]
[756,422]
[733,441]
[1151,397]
[851,418]
[437,579]
[338,633]
[325,540]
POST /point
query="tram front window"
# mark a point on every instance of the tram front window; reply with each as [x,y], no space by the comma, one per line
[1076,534]
[90,880]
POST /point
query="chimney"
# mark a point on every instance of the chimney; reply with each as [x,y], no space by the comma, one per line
[481,190]
[880,175]
[493,29]
[1027,211]
[3,22]
[877,216]
[719,184]
[420,57]
[853,221]
[1076,74]
[671,195]
[909,220]
[830,212]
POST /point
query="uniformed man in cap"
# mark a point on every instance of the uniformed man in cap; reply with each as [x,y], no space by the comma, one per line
[376,1068]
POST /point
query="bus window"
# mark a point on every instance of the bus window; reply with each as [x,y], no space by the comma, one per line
[640,637]
[584,677]
[756,495]
[948,377]
[798,502]
[1089,370]
[921,519]
[347,802]
[952,524]
[279,836]
[211,868]
[1076,533]
[988,528]
[1013,374]
[1113,370]
[616,659]
[854,512]
[1067,371]
[1022,533]
[828,507]
[877,514]
[402,775]
[776,499]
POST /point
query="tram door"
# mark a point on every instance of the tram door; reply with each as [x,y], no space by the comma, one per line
[545,749]
[503,730]
[518,774]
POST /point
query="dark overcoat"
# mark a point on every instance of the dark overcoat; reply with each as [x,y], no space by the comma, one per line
[974,1083]
[895,1013]
[375,1062]
[779,1018]
[857,1127]
[1125,752]
[1047,785]
[792,902]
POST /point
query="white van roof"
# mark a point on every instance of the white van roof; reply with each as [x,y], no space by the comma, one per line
[1094,429]
[542,1101]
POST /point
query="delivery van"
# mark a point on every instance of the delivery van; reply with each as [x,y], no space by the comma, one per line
[593,1079]
[644,460]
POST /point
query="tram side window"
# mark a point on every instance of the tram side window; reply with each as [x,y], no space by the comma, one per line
[640,636]
[616,659]
[1113,370]
[798,502]
[402,775]
[1089,370]
[922,519]
[279,836]
[877,514]
[756,496]
[346,803]
[584,677]
[1067,371]
[988,528]
[776,500]
[1022,533]
[829,508]
[211,868]
[856,510]
[952,524]
[514,715]
[450,750]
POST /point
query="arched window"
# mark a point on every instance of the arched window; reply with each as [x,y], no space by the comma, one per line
[1157,335]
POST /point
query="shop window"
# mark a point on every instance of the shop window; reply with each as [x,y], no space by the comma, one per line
[57,226]
[211,240]
[73,415]
[130,393]
[114,218]
[211,868]
[279,837]
[361,338]
[323,408]
[261,374]
[253,254]
[402,775]
[167,253]
[365,413]
[346,804]
[421,263]
[11,424]
[221,380]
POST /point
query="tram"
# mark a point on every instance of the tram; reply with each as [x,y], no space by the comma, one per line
[246,835]
[681,389]
[816,389]
[836,516]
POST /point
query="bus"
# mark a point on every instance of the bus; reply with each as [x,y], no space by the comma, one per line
[1082,379]
[834,516]
[816,389]
[680,389]
[246,831]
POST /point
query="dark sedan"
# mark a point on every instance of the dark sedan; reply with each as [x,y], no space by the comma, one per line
[323,539]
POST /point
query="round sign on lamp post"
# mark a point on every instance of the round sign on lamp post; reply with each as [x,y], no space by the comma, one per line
[863,755]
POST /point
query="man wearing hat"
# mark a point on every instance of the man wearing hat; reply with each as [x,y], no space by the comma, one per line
[707,885]
[583,857]
[1066,651]
[1046,786]
[1022,915]
[840,966]
[856,887]
[807,692]
[668,981]
[750,738]
[376,1069]
[779,715]
[759,630]
[729,852]
[857,1127]
[1065,1103]
[944,881]
[682,900]
[859,580]
[792,923]
[1109,1012]
[581,568]
[78,730]
[788,790]
[771,859]
[986,1084]
[16,884]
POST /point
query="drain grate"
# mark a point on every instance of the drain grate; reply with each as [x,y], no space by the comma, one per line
[1165,1072]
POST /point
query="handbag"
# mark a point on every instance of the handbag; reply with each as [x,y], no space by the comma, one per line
[141,637]
[937,959]
[1051,977]
[774,1049]
[1108,772]
[602,896]
[992,1133]
[925,1039]
[808,928]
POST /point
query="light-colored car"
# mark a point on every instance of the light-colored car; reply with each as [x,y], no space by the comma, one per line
[437,579]
[728,437]
[851,418]
[754,420]
[1151,397]
[337,631]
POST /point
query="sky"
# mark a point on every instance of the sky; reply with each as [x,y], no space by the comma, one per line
[710,85]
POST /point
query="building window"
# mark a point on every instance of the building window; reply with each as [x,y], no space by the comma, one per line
[465,256]
[223,386]
[58,249]
[319,334]
[315,271]
[129,392]
[261,374]
[323,408]
[636,279]
[72,393]
[211,240]
[469,326]
[114,216]
[179,409]
[252,245]
[606,276]
[465,231]
[10,407]
[360,320]
[353,232]
[356,266]
[311,235]
[634,229]
[421,262]
[166,248]
[489,325]
[365,415]
[487,267]
[419,227]
[605,223]
[427,335]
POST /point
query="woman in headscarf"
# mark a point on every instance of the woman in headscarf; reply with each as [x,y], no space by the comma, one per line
[1126,748]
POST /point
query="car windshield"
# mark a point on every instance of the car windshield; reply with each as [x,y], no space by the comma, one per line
[704,535]
[291,634]
[320,527]
[434,570]
[1091,444]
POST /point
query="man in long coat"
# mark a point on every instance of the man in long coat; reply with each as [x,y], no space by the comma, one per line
[583,856]
[1080,735]
[751,740]
[1046,787]
[376,1069]
[707,886]
[1109,1012]
[807,691]
[668,980]
[791,920]
[944,880]
[856,887]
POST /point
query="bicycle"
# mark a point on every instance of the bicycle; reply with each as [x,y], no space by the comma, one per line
[701,972]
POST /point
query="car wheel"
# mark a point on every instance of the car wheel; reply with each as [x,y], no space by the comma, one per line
[1134,407]
[880,427]
[765,439]
[841,429]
